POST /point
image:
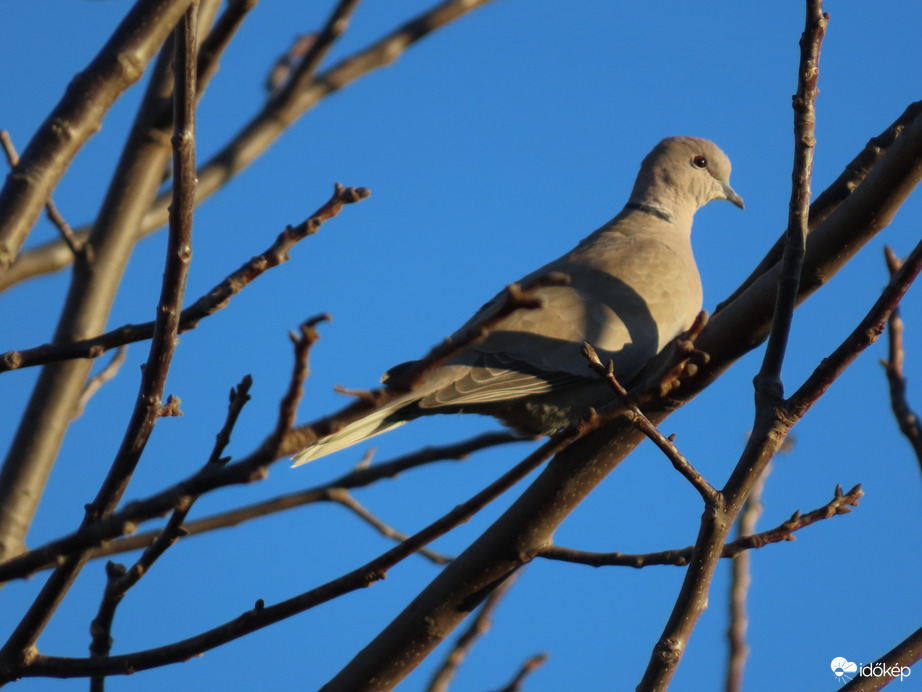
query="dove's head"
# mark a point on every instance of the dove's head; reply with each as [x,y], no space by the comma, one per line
[681,175]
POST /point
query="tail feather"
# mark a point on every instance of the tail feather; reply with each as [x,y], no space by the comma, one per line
[373,424]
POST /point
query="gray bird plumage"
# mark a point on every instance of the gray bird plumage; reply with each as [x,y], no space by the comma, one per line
[634,286]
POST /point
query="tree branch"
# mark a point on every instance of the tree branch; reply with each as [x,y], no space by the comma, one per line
[771,425]
[77,117]
[344,499]
[840,504]
[51,209]
[215,299]
[740,578]
[896,662]
[357,478]
[906,418]
[132,188]
[265,127]
[148,408]
[480,625]
[528,525]
[98,380]
[527,668]
[262,615]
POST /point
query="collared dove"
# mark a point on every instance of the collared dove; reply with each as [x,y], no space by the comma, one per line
[633,287]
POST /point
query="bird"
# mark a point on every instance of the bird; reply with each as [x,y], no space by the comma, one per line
[633,286]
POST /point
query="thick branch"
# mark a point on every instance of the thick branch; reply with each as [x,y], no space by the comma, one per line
[480,625]
[895,662]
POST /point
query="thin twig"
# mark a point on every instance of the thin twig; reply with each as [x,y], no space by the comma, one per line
[281,70]
[862,336]
[344,499]
[740,579]
[480,625]
[99,379]
[840,504]
[51,209]
[527,668]
[642,423]
[303,75]
[768,382]
[514,298]
[216,42]
[906,418]
[237,399]
[208,304]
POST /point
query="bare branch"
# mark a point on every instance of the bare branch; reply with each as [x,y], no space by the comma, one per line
[302,78]
[77,117]
[215,299]
[51,209]
[771,425]
[840,504]
[480,625]
[740,579]
[344,499]
[865,334]
[266,126]
[217,40]
[99,379]
[530,666]
[262,615]
[636,416]
[153,379]
[895,664]
[906,418]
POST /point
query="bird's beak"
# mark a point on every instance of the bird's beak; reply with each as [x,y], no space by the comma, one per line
[731,196]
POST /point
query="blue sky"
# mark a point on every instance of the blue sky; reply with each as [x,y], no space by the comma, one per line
[490,147]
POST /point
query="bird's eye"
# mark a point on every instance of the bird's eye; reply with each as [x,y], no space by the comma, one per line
[700,162]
